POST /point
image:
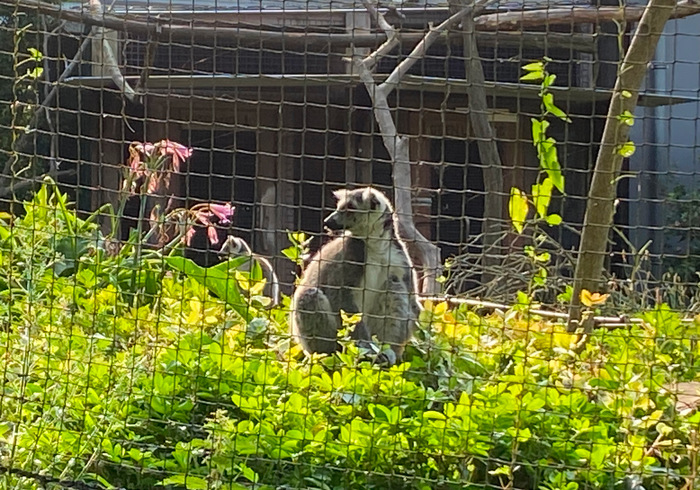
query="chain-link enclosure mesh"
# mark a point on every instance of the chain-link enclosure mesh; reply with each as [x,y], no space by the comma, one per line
[168,176]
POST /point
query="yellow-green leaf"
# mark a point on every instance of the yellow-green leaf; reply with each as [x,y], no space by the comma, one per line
[627,150]
[189,482]
[536,66]
[554,220]
[518,208]
[549,162]
[350,318]
[541,196]
[35,54]
[548,102]
[626,118]
[539,128]
[532,76]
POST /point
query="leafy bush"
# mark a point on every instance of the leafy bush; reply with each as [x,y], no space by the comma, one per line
[125,373]
[684,217]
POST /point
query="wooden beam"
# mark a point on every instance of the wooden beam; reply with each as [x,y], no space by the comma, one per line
[168,29]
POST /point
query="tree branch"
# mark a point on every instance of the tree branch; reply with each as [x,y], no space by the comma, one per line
[392,39]
[25,184]
[422,47]
[422,251]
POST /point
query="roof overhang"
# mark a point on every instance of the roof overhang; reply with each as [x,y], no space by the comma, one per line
[178,84]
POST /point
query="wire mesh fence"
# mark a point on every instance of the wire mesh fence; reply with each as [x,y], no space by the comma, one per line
[335,245]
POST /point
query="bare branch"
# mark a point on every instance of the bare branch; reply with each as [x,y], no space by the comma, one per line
[422,252]
[422,47]
[392,39]
[25,184]
[388,29]
[602,321]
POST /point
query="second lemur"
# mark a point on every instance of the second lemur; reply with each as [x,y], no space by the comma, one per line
[365,270]
[237,247]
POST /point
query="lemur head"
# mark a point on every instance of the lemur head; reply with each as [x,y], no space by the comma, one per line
[363,212]
[234,247]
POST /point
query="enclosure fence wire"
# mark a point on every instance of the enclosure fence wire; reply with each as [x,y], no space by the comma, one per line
[336,245]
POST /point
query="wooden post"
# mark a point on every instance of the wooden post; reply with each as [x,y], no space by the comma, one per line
[107,167]
[289,143]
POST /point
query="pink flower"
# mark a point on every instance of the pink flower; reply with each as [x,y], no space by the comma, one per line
[179,153]
[135,162]
[154,163]
[212,234]
[153,185]
[222,211]
[188,236]
[145,148]
[203,214]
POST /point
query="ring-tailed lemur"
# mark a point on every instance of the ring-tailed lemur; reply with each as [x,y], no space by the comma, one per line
[366,270]
[237,247]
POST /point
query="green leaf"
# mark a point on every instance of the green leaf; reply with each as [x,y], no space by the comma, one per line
[248,472]
[532,76]
[551,108]
[549,162]
[380,412]
[541,196]
[543,257]
[35,54]
[217,279]
[627,150]
[501,470]
[433,415]
[35,73]
[292,253]
[554,220]
[539,130]
[518,208]
[536,66]
[626,118]
[190,482]
[549,80]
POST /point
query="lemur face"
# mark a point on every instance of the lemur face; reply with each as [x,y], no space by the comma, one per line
[362,212]
[234,247]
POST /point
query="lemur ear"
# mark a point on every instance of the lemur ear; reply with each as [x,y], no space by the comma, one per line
[374,201]
[340,194]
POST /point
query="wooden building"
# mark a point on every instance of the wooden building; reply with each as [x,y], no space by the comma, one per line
[279,122]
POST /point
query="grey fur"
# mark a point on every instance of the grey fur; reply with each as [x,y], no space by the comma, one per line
[366,270]
[237,247]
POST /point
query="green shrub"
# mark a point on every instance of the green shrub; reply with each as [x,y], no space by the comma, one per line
[134,375]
